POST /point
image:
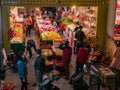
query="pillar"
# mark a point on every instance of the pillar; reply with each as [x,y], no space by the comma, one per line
[101,26]
[1,60]
[6,26]
[111,18]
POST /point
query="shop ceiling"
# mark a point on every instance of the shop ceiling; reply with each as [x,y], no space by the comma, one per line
[53,3]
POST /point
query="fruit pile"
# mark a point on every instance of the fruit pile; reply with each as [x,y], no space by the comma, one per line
[50,35]
[47,52]
[16,33]
[66,21]
[94,55]
[58,52]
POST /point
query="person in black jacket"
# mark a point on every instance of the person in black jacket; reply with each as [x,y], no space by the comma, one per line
[79,37]
[39,67]
[30,44]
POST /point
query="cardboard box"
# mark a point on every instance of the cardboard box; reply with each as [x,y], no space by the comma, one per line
[107,77]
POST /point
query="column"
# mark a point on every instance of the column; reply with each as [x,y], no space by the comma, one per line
[1,60]
[111,18]
[6,26]
[101,26]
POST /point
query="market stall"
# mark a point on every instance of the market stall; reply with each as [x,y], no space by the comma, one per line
[16,32]
[81,16]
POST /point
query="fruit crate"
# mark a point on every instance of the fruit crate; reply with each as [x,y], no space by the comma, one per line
[8,86]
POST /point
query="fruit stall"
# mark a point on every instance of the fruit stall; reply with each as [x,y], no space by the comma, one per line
[16,37]
[48,33]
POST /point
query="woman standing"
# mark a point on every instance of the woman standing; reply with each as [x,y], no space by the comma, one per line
[22,70]
[67,53]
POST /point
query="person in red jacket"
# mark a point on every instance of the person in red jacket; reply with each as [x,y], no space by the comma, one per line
[67,53]
[82,58]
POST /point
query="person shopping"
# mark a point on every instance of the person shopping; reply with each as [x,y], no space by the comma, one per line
[82,58]
[30,44]
[28,25]
[67,53]
[79,36]
[22,69]
[39,67]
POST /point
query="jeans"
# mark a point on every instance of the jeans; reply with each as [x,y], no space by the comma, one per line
[28,30]
[39,76]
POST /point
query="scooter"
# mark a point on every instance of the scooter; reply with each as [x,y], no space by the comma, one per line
[77,81]
[46,84]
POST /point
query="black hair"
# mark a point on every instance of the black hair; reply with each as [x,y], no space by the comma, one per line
[80,27]
[19,55]
[88,47]
[76,28]
[67,43]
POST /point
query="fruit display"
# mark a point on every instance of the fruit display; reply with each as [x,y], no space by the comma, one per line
[47,52]
[58,52]
[16,40]
[66,21]
[72,26]
[94,55]
[46,27]
[73,18]
[48,63]
[55,73]
[50,35]
[59,63]
[8,86]
[11,33]
[16,33]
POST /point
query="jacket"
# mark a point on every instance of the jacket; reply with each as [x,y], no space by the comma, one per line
[80,36]
[39,63]
[22,69]
[67,52]
[82,55]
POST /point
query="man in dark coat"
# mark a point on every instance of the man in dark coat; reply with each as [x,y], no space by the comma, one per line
[79,36]
[30,44]
[39,67]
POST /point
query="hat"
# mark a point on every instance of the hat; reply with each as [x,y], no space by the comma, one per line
[39,51]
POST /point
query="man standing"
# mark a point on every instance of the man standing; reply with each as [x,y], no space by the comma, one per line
[30,44]
[39,67]
[79,36]
[28,25]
